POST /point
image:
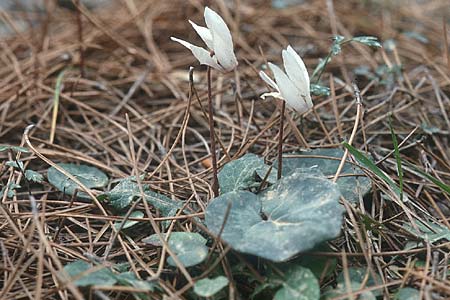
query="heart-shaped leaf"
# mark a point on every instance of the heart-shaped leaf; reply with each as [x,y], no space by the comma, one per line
[34,176]
[244,173]
[103,276]
[209,287]
[129,223]
[11,187]
[129,279]
[295,214]
[91,177]
[298,283]
[15,164]
[127,190]
[358,275]
[189,247]
[13,148]
[352,181]
[341,289]
[407,293]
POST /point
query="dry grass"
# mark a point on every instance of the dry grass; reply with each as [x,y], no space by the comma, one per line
[119,61]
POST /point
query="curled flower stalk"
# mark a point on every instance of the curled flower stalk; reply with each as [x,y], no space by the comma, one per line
[219,56]
[291,86]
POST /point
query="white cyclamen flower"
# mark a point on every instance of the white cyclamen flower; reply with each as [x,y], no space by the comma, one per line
[217,37]
[292,86]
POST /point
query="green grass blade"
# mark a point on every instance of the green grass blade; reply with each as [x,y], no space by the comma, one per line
[367,163]
[444,187]
[397,158]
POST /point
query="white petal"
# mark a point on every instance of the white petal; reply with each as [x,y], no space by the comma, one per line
[218,26]
[202,55]
[296,70]
[272,94]
[224,53]
[204,33]
[222,40]
[288,90]
[268,80]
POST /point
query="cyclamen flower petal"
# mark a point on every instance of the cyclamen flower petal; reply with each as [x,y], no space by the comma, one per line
[296,70]
[288,90]
[217,38]
[268,80]
[292,86]
[202,55]
[204,33]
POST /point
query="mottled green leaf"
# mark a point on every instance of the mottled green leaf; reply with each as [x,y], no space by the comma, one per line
[357,275]
[127,190]
[121,196]
[189,247]
[130,279]
[298,283]
[244,173]
[11,190]
[15,164]
[13,148]
[319,90]
[341,290]
[407,293]
[370,41]
[319,265]
[103,276]
[294,215]
[91,177]
[352,181]
[208,287]
[129,223]
[34,176]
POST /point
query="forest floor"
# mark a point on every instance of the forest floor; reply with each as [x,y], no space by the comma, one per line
[109,89]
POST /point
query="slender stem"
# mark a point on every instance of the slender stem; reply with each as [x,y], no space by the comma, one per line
[280,139]
[215,183]
[355,128]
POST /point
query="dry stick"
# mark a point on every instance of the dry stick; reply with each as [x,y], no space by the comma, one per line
[355,128]
[215,183]
[80,38]
[164,240]
[280,139]
[446,52]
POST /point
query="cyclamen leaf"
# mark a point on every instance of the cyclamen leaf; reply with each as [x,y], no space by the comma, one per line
[370,41]
[357,275]
[298,283]
[15,164]
[189,247]
[34,176]
[13,148]
[241,174]
[11,190]
[129,223]
[407,293]
[295,214]
[319,90]
[103,276]
[351,185]
[91,177]
[209,287]
[127,190]
[341,290]
[129,279]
